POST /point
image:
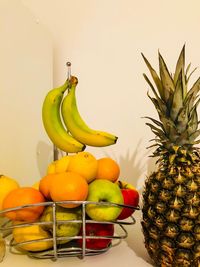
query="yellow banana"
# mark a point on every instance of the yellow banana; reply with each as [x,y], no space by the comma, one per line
[76,125]
[53,124]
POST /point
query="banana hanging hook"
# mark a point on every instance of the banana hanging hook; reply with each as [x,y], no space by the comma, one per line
[68,64]
[55,149]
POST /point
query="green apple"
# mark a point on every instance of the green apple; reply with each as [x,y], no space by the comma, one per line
[102,190]
[65,229]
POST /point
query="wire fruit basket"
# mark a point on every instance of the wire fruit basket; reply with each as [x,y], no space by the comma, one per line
[71,248]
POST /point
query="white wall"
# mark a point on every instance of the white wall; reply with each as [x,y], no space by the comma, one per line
[103,39]
[26,60]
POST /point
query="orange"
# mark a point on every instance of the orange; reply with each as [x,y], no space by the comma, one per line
[68,186]
[23,196]
[45,184]
[108,169]
[85,164]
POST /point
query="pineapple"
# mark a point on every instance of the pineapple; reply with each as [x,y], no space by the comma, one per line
[171,196]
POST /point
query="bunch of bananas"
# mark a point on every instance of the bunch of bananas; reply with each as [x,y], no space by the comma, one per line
[64,124]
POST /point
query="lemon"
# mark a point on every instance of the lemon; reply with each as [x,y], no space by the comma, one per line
[62,164]
[36,185]
[7,184]
[51,169]
[85,164]
[30,233]
[59,165]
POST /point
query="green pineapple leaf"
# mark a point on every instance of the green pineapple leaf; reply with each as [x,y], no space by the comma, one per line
[155,140]
[187,69]
[151,85]
[158,132]
[193,122]
[155,121]
[184,83]
[191,95]
[166,123]
[152,146]
[189,76]
[196,142]
[155,78]
[180,65]
[194,107]
[182,119]
[189,101]
[177,101]
[183,138]
[193,119]
[170,128]
[178,123]
[194,135]
[153,127]
[166,79]
[160,107]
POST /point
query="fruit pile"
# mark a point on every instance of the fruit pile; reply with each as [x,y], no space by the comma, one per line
[80,198]
[70,181]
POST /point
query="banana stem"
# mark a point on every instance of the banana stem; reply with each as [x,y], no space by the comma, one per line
[55,153]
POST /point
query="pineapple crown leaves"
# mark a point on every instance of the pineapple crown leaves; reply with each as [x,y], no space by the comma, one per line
[166,79]
[180,65]
[175,104]
[177,100]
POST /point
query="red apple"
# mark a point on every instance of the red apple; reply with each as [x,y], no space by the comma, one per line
[131,198]
[97,229]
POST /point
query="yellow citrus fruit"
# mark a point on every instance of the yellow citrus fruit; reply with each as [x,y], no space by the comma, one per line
[6,186]
[85,164]
[51,167]
[108,169]
[23,196]
[30,233]
[68,186]
[61,165]
[36,185]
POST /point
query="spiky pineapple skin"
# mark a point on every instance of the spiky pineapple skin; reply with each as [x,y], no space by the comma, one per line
[171,198]
[171,215]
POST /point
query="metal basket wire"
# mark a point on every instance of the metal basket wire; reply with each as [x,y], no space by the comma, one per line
[70,248]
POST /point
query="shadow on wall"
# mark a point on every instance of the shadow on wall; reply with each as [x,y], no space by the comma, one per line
[44,155]
[134,166]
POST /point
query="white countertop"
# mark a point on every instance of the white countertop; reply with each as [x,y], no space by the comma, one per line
[129,253]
